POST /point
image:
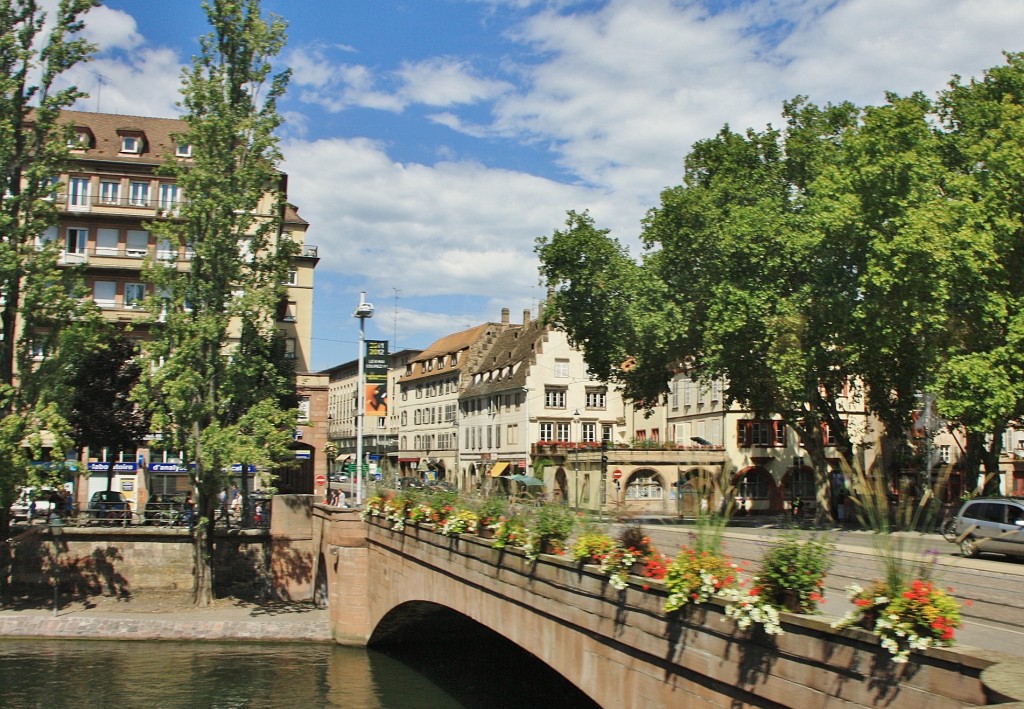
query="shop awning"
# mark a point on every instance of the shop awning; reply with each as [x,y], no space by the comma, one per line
[498,468]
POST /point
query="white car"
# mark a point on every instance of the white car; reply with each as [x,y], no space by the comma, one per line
[22,507]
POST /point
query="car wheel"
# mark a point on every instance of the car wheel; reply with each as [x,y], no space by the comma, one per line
[969,548]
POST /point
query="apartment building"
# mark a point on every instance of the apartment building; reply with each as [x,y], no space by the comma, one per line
[530,401]
[427,401]
[111,193]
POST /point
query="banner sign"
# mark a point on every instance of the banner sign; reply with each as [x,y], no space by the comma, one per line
[102,467]
[375,372]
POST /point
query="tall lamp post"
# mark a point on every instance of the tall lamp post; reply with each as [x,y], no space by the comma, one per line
[363,311]
[576,462]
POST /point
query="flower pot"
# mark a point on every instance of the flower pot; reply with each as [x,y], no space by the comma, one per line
[638,568]
[791,601]
[550,546]
[485,532]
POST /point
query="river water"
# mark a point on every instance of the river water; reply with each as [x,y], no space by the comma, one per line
[82,674]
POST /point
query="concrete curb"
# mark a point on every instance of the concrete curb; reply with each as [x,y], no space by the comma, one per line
[120,628]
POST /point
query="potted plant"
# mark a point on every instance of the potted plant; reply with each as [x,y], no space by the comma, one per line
[489,511]
[792,573]
[549,527]
[915,617]
[461,521]
[592,546]
[695,576]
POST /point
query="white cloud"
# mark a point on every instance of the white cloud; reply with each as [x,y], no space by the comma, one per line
[111,29]
[444,82]
[146,85]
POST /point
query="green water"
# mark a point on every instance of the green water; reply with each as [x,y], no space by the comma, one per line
[53,674]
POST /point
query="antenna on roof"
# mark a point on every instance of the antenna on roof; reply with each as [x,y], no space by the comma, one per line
[99,88]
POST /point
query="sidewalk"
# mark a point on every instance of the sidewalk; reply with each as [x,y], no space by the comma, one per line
[164,617]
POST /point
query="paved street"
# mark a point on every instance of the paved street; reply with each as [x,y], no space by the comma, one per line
[993,620]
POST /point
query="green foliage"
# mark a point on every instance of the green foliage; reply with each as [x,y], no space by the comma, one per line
[42,307]
[795,567]
[552,522]
[592,546]
[490,508]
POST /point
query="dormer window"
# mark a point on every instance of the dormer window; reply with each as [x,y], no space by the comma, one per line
[81,140]
[183,150]
[130,144]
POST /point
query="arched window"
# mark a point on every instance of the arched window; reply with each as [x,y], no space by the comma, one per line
[645,485]
[755,484]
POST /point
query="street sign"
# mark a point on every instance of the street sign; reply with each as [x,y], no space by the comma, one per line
[351,468]
[321,480]
[617,474]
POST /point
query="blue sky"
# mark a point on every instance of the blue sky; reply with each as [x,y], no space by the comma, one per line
[430,142]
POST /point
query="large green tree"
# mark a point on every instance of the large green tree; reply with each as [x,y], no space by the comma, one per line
[982,378]
[41,304]
[231,221]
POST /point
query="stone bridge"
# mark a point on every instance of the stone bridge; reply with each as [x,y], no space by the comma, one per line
[619,647]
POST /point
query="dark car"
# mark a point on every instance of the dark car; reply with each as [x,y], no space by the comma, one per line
[109,507]
[410,483]
[165,510]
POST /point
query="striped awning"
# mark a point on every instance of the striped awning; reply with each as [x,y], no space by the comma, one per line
[498,468]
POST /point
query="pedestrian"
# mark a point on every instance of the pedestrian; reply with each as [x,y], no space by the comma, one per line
[190,511]
[258,514]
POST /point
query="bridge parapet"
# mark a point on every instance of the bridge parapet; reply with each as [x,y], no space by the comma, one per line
[620,648]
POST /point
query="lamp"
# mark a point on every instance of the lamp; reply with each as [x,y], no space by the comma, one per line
[576,462]
[56,525]
[363,311]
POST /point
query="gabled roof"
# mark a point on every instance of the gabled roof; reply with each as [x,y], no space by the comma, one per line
[516,348]
[107,129]
[445,346]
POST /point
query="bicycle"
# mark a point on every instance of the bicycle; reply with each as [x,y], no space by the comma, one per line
[948,528]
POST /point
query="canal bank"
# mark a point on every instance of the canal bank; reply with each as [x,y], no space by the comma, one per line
[166,617]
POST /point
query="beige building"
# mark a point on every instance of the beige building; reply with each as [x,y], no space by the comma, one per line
[111,191]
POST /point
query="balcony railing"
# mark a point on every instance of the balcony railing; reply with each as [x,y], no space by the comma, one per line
[148,204]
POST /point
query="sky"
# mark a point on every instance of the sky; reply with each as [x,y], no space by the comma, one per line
[429,143]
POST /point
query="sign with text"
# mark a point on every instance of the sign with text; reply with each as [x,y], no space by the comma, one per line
[375,371]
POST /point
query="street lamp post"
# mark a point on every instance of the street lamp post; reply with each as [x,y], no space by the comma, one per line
[363,311]
[576,461]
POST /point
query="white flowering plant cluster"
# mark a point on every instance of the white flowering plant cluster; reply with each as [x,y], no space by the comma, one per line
[618,565]
[747,606]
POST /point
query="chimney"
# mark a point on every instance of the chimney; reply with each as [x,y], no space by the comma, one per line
[504,316]
[526,317]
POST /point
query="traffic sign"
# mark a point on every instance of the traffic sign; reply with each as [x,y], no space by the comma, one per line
[351,468]
[321,480]
[617,474]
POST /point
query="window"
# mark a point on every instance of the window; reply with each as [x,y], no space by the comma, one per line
[606,433]
[103,292]
[76,240]
[134,294]
[292,279]
[763,434]
[138,243]
[78,192]
[106,241]
[49,235]
[138,194]
[687,392]
[170,197]
[512,434]
[291,308]
[165,250]
[564,432]
[754,485]
[675,394]
[110,192]
[590,432]
[303,408]
[597,399]
[943,454]
[554,398]
[828,434]
[130,144]
[183,150]
[289,347]
[645,486]
[561,368]
[547,431]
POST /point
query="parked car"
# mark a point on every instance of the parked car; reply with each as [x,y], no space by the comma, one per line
[109,507]
[992,524]
[34,503]
[410,483]
[340,478]
[165,509]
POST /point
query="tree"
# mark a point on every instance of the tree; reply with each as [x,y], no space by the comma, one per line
[102,413]
[40,303]
[231,220]
[982,379]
